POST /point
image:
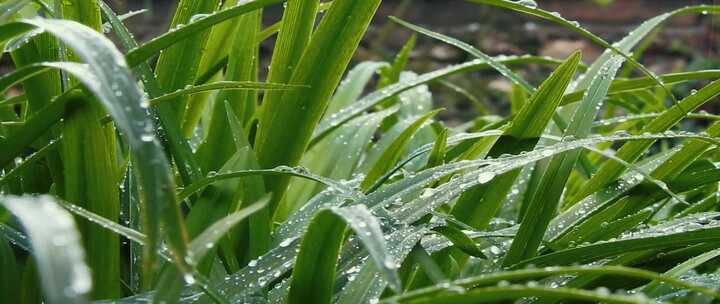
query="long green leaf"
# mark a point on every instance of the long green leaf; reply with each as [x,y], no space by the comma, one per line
[242,66]
[543,205]
[56,245]
[9,285]
[631,152]
[521,135]
[116,89]
[290,121]
[392,154]
[687,232]
[314,273]
[297,26]
[157,44]
[333,121]
[170,137]
[504,70]
[201,244]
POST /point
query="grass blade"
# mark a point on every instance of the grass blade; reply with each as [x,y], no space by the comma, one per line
[201,244]
[543,205]
[178,64]
[297,27]
[216,48]
[56,246]
[522,134]
[314,273]
[631,152]
[392,154]
[9,286]
[154,46]
[529,274]
[674,235]
[170,137]
[371,100]
[242,66]
[291,120]
[117,91]
[222,85]
[504,70]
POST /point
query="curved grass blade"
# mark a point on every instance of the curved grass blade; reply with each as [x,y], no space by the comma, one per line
[574,26]
[5,178]
[632,151]
[170,137]
[701,228]
[392,154]
[620,86]
[481,203]
[298,21]
[364,285]
[154,46]
[517,292]
[542,206]
[290,121]
[56,246]
[116,89]
[222,85]
[9,284]
[201,244]
[504,70]
[279,171]
[530,274]
[314,273]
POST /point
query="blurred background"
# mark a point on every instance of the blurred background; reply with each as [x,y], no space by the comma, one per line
[687,42]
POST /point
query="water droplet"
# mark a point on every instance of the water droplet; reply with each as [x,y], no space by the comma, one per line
[197,17]
[527,3]
[286,242]
[147,137]
[189,278]
[485,177]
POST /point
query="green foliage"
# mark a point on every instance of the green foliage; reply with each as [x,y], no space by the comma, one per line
[195,178]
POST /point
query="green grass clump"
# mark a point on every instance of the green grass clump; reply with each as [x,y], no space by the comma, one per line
[190,179]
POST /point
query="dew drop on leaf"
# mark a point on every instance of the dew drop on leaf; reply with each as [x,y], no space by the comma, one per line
[485,177]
